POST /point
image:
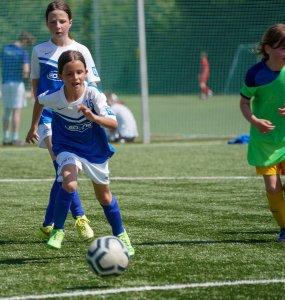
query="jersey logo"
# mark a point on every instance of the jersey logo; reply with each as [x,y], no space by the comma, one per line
[95,72]
[49,52]
[53,76]
[79,127]
[109,111]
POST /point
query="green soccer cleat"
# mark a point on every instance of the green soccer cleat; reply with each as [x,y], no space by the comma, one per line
[56,239]
[45,231]
[83,228]
[126,240]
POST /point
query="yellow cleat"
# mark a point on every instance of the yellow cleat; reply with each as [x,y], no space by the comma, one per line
[83,228]
[45,232]
[126,240]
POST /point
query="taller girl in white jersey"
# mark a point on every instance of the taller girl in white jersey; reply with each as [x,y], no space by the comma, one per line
[44,75]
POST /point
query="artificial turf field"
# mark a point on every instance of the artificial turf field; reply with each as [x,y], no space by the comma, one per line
[195,211]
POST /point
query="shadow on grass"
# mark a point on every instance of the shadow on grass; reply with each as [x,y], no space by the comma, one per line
[247,241]
[23,261]
[20,242]
[231,241]
[250,232]
[91,287]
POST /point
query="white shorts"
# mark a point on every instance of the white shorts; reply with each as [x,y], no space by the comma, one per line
[13,95]
[44,131]
[99,173]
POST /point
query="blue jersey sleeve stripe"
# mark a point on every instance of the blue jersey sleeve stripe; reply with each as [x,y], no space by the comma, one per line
[48,60]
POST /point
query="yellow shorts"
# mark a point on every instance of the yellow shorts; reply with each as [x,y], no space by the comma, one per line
[272,170]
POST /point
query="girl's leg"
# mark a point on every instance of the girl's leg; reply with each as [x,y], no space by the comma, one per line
[110,207]
[7,113]
[113,214]
[76,207]
[16,117]
[64,198]
[274,193]
[65,195]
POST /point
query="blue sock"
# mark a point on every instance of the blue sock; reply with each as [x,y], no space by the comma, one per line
[61,207]
[55,164]
[76,207]
[49,219]
[113,215]
[50,208]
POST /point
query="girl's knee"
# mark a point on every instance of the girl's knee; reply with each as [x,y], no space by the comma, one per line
[104,199]
[272,190]
[70,187]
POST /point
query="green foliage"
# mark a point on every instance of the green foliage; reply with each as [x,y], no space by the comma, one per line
[176,32]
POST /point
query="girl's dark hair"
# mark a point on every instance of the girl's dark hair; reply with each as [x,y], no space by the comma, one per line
[26,38]
[69,56]
[274,37]
[60,5]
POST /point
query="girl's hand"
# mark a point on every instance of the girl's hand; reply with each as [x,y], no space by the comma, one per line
[264,126]
[32,136]
[281,110]
[86,111]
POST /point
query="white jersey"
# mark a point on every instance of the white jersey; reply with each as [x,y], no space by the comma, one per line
[44,67]
[71,131]
[44,64]
[127,126]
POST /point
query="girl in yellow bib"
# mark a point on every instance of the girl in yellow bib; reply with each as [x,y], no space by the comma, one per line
[262,105]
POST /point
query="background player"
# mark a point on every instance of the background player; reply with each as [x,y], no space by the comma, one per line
[204,75]
[15,69]
[127,127]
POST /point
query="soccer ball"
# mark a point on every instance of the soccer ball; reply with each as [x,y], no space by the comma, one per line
[108,256]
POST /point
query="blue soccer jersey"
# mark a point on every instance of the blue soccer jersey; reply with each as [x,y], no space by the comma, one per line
[72,132]
[13,58]
[44,67]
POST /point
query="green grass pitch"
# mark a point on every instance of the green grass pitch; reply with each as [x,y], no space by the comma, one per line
[195,211]
[178,116]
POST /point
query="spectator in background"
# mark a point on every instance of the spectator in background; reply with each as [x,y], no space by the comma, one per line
[15,69]
[127,127]
[204,75]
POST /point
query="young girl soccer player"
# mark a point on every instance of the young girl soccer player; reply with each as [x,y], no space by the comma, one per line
[264,86]
[44,77]
[80,112]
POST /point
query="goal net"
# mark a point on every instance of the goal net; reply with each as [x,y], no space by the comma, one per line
[176,32]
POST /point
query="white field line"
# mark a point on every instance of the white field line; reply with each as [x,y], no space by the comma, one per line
[148,288]
[143,178]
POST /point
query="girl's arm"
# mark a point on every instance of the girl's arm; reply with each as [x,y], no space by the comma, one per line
[264,126]
[35,83]
[32,134]
[102,121]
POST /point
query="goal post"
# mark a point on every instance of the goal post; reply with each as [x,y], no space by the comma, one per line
[242,49]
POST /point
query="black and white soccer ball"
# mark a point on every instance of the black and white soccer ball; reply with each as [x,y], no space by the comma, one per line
[108,256]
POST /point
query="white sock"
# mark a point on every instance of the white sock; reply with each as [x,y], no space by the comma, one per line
[6,135]
[15,136]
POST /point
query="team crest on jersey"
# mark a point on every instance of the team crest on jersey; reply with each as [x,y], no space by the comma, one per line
[79,127]
[109,111]
[95,71]
[53,76]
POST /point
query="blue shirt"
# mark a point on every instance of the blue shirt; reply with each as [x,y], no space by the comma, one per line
[259,74]
[13,58]
[71,131]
